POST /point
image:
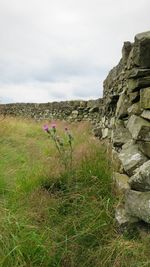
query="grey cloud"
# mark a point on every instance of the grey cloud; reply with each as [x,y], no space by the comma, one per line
[58,70]
[61,70]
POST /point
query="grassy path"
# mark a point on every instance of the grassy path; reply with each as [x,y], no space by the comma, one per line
[50,217]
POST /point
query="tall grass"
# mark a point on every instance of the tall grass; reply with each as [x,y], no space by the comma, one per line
[51,217]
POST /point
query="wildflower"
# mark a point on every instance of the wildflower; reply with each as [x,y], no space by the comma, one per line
[45,128]
[63,146]
[53,125]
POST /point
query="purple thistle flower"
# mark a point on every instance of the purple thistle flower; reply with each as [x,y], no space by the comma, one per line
[45,128]
[53,128]
[53,125]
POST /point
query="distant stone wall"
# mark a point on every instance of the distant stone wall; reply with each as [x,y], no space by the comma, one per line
[126,123]
[67,110]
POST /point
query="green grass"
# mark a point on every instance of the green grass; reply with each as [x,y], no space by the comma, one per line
[51,217]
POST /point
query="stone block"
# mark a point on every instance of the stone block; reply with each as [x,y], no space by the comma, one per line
[83,104]
[137,73]
[106,133]
[119,123]
[75,113]
[112,122]
[141,50]
[134,97]
[131,158]
[123,217]
[137,84]
[97,131]
[122,106]
[120,182]
[120,136]
[94,109]
[137,204]
[146,114]
[127,46]
[103,120]
[134,109]
[144,148]
[145,98]
[139,128]
[92,103]
[140,181]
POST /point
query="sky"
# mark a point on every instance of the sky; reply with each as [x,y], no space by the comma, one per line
[54,50]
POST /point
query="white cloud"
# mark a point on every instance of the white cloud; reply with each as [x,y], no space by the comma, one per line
[55,49]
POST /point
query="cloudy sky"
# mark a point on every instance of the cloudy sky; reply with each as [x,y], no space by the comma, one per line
[63,49]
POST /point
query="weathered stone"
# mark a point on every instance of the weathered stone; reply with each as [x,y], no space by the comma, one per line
[127,46]
[93,103]
[123,218]
[122,106]
[137,84]
[94,109]
[141,50]
[80,110]
[144,148]
[125,121]
[137,204]
[116,162]
[97,131]
[83,104]
[103,119]
[140,181]
[130,63]
[139,128]
[120,136]
[146,114]
[119,123]
[120,182]
[137,73]
[112,122]
[134,97]
[85,116]
[106,133]
[131,158]
[75,112]
[106,123]
[134,109]
[145,98]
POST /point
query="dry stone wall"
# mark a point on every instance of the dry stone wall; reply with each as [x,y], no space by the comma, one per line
[126,123]
[67,110]
[123,118]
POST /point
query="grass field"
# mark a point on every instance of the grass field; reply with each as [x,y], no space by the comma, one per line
[52,217]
